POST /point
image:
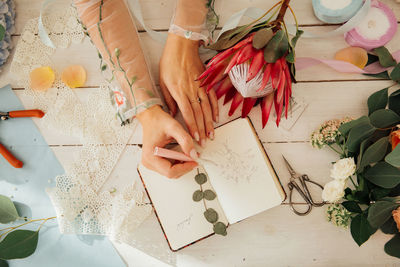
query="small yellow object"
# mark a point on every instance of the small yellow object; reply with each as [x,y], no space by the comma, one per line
[354,55]
[42,78]
[74,76]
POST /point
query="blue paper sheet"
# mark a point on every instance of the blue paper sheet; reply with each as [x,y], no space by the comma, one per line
[27,187]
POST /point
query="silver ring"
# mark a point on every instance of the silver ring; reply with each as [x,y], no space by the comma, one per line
[198,100]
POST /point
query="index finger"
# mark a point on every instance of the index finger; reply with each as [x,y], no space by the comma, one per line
[170,170]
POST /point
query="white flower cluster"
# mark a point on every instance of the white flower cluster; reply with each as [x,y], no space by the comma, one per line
[327,133]
[338,215]
[340,172]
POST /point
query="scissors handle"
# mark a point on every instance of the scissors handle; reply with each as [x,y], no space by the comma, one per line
[305,179]
[293,185]
[26,113]
[10,157]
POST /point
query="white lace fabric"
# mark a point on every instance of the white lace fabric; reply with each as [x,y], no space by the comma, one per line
[81,203]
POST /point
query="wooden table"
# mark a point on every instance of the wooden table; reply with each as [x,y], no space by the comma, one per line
[276,237]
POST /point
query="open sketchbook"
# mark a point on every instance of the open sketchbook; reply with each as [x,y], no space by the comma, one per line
[238,171]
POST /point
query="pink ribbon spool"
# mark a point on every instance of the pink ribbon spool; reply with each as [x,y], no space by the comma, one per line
[355,37]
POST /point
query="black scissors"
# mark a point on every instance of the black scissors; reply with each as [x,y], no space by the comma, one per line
[302,189]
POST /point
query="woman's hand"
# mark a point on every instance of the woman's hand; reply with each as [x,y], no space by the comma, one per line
[180,66]
[160,129]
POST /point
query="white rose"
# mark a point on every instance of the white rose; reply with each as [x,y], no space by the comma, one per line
[343,169]
[333,191]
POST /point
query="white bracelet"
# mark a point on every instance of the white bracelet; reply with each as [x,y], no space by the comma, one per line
[175,29]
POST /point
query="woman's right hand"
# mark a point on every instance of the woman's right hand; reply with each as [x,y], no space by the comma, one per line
[160,129]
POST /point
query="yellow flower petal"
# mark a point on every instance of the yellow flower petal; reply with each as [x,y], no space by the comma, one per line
[74,76]
[354,55]
[42,78]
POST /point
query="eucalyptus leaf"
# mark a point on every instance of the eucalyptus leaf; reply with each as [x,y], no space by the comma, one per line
[384,175]
[211,215]
[3,263]
[19,244]
[198,196]
[394,102]
[2,32]
[378,100]
[375,152]
[201,178]
[389,227]
[262,37]
[225,43]
[381,75]
[8,212]
[352,206]
[360,229]
[276,47]
[359,133]
[393,158]
[363,146]
[290,56]
[345,128]
[392,247]
[209,195]
[395,74]
[296,37]
[378,193]
[383,118]
[380,212]
[385,58]
[220,228]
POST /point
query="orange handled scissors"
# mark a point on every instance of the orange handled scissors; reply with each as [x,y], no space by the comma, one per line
[17,114]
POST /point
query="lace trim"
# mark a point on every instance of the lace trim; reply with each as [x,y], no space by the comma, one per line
[191,35]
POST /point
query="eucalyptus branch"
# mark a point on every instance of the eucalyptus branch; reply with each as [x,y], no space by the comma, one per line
[12,228]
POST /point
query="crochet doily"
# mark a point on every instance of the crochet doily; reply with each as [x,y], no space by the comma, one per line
[82,204]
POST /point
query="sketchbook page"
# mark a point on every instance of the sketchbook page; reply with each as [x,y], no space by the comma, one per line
[181,218]
[244,181]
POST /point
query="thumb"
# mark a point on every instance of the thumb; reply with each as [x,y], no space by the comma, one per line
[184,140]
[168,98]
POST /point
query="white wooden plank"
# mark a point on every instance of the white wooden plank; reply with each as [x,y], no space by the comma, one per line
[157,14]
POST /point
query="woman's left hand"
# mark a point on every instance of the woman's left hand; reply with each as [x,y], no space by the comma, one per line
[180,66]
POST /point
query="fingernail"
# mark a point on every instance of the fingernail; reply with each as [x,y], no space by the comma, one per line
[203,143]
[193,154]
[197,136]
[217,119]
[211,135]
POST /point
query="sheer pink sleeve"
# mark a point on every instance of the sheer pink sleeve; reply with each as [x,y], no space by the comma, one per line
[112,30]
[194,19]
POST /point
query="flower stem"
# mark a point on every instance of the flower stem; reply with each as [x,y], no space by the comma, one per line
[294,16]
[281,14]
[333,149]
[10,229]
[351,179]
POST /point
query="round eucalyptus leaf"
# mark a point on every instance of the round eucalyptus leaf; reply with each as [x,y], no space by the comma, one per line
[276,47]
[211,215]
[2,32]
[209,195]
[392,247]
[18,244]
[198,196]
[8,212]
[201,178]
[220,229]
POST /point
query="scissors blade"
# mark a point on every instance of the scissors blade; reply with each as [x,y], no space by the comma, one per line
[289,167]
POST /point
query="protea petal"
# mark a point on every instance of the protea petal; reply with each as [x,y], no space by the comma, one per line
[221,56]
[215,75]
[248,52]
[276,73]
[281,88]
[267,74]
[256,64]
[266,105]
[232,62]
[237,100]
[279,113]
[288,80]
[286,99]
[223,87]
[230,94]
[248,104]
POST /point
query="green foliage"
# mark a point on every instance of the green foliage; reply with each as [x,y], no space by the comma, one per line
[2,32]
[389,227]
[393,158]
[3,263]
[385,58]
[262,37]
[8,212]
[352,206]
[345,128]
[201,178]
[392,247]
[378,100]
[360,229]
[19,244]
[211,215]
[380,212]
[198,195]
[209,195]
[292,55]
[395,74]
[276,47]
[359,133]
[230,38]
[374,153]
[383,118]
[394,102]
[220,228]
[384,175]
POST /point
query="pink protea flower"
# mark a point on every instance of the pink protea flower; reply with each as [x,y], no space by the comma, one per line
[276,75]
